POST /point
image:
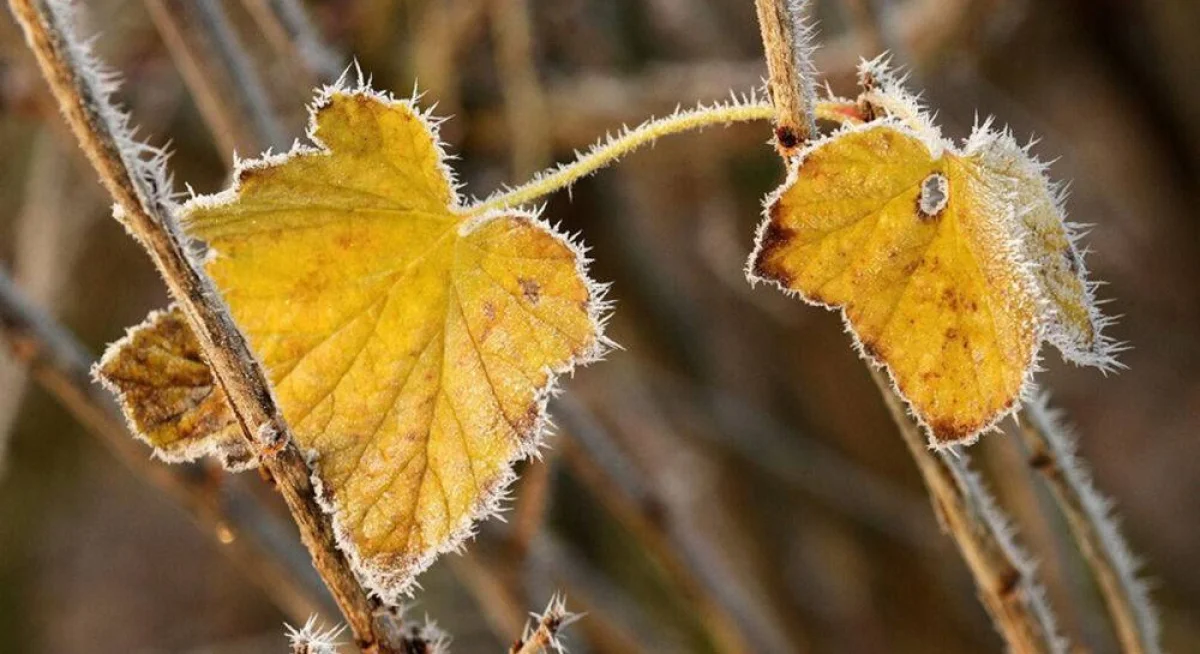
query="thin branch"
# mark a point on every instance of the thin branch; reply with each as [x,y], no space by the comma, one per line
[140,189]
[246,530]
[212,60]
[189,49]
[545,636]
[524,100]
[529,513]
[804,463]
[1003,574]
[242,70]
[55,204]
[1052,454]
[494,589]
[616,621]
[791,76]
[609,150]
[287,26]
[729,614]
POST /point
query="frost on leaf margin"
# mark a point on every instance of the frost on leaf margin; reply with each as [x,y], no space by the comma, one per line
[1014,234]
[412,348]
[168,394]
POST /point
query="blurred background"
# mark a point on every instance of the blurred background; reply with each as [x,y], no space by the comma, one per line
[730,479]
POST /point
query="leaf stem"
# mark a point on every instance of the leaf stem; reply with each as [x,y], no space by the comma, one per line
[609,150]
[140,189]
[1003,574]
[1052,454]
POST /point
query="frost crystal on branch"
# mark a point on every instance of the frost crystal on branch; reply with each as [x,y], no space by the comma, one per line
[312,638]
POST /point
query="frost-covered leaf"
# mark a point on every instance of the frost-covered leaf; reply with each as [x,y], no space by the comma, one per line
[411,348]
[950,264]
[169,395]
[1072,321]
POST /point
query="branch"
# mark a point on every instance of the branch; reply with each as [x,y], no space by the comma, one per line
[727,610]
[1052,454]
[140,187]
[212,60]
[524,100]
[1003,574]
[791,75]
[550,624]
[286,24]
[245,528]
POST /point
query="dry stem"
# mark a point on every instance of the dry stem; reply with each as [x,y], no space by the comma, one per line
[1052,455]
[524,100]
[286,24]
[789,70]
[212,60]
[1005,582]
[146,214]
[727,615]
[549,626]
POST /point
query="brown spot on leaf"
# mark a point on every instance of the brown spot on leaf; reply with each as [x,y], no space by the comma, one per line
[774,238]
[949,430]
[530,289]
[870,350]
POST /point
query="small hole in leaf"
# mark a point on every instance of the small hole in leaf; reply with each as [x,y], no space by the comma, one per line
[935,193]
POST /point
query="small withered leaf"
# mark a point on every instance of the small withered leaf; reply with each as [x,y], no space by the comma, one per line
[168,393]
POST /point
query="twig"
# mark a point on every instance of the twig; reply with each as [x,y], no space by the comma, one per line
[806,464]
[287,26]
[586,104]
[238,521]
[55,205]
[206,83]
[791,76]
[140,189]
[1003,574]
[212,60]
[533,499]
[550,624]
[726,612]
[524,100]
[494,590]
[615,618]
[1052,454]
[241,68]
[444,32]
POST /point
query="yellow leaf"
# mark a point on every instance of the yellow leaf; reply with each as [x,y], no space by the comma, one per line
[950,265]
[932,291]
[169,395]
[412,349]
